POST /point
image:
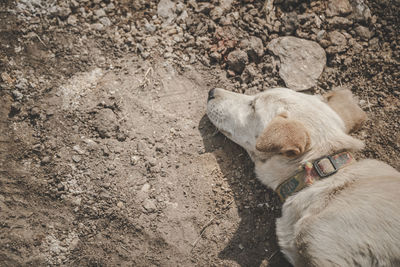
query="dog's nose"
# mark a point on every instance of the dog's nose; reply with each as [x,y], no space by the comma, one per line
[211,94]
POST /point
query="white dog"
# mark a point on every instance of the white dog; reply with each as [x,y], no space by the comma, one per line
[337,211]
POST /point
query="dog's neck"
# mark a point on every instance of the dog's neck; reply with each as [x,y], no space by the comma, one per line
[311,172]
[279,168]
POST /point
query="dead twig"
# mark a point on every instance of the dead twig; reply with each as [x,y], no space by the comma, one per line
[273,255]
[124,248]
[40,39]
[202,231]
[369,104]
[366,94]
[208,224]
[146,80]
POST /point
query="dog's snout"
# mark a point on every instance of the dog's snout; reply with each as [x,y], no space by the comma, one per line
[211,94]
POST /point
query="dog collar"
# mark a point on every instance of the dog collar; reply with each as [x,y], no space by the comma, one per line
[310,172]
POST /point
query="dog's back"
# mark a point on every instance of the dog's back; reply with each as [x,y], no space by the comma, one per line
[357,220]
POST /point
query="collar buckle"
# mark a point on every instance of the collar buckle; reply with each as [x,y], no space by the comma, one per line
[320,170]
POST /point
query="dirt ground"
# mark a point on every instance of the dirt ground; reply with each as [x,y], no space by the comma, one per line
[106,155]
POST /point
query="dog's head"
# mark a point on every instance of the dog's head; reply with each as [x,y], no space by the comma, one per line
[285,123]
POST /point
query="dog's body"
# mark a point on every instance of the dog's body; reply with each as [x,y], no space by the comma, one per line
[351,218]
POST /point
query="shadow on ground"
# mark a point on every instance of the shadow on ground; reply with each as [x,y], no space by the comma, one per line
[254,242]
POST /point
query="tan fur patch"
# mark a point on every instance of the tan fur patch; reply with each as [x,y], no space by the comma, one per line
[285,136]
[343,103]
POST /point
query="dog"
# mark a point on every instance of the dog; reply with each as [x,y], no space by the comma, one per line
[337,211]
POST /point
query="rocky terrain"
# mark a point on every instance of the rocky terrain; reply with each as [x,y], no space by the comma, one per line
[106,155]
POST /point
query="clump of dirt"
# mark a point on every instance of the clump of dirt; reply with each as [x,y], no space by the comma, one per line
[107,157]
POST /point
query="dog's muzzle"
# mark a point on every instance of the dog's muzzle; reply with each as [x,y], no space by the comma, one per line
[211,94]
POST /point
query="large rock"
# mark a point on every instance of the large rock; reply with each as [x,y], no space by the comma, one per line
[302,61]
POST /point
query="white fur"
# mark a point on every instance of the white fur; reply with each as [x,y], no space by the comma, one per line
[349,219]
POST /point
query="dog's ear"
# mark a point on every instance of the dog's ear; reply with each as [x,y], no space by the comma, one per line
[343,103]
[285,136]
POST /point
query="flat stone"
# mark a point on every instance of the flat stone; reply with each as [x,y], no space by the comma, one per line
[338,7]
[302,61]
